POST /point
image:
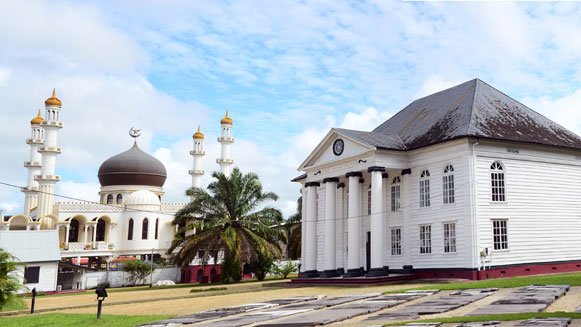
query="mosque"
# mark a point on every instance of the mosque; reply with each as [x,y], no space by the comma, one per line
[129,220]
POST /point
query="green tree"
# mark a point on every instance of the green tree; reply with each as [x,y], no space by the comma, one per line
[293,230]
[137,270]
[229,216]
[9,283]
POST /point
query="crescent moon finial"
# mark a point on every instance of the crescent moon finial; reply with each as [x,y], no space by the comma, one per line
[134,132]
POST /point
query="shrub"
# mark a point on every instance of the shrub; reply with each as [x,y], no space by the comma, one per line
[285,269]
[137,270]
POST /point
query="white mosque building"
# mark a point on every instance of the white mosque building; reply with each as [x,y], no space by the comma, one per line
[466,182]
[129,220]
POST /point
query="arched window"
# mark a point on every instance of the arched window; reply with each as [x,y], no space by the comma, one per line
[130,230]
[110,199]
[156,227]
[425,189]
[74,231]
[448,184]
[395,193]
[100,230]
[119,198]
[144,228]
[497,182]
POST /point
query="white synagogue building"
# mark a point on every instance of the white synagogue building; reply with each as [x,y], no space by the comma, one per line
[130,219]
[466,182]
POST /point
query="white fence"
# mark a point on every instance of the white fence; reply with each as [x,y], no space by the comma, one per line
[120,278]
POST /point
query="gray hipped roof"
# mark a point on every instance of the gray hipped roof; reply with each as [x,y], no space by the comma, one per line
[471,109]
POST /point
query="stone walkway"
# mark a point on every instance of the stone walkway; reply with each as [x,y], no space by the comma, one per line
[436,305]
[527,299]
[313,311]
[350,310]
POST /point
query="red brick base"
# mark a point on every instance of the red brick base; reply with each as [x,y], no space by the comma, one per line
[501,271]
[205,274]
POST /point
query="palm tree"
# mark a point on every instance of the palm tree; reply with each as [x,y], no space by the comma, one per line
[9,284]
[293,230]
[229,217]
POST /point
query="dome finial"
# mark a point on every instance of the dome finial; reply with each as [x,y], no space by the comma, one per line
[53,100]
[226,120]
[37,120]
[198,135]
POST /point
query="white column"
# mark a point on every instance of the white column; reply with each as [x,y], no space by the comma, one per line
[330,227]
[377,222]
[405,203]
[340,219]
[94,235]
[311,229]
[67,234]
[303,227]
[354,226]
[85,229]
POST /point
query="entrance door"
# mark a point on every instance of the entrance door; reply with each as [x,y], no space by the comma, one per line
[368,252]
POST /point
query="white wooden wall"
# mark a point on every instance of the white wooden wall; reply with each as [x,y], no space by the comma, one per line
[543,204]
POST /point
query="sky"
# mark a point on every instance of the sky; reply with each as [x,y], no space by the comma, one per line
[287,72]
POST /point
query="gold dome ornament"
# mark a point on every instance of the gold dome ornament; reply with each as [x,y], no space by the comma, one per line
[226,120]
[37,120]
[53,100]
[198,135]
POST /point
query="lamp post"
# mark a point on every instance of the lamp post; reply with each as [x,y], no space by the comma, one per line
[101,295]
[151,271]
[33,300]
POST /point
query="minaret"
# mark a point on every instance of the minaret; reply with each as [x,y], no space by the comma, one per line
[34,164]
[225,140]
[47,178]
[198,152]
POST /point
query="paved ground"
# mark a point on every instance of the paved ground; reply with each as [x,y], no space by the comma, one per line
[376,309]
[526,299]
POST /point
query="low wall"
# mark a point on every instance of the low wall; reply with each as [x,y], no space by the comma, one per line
[119,278]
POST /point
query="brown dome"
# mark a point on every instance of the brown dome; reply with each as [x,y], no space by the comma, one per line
[132,167]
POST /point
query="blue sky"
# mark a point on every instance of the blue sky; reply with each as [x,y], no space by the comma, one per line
[287,71]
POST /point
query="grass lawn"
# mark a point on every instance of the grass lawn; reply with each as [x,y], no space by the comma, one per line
[499,317]
[573,279]
[14,304]
[64,319]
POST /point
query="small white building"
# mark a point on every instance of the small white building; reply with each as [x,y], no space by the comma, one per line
[466,182]
[38,250]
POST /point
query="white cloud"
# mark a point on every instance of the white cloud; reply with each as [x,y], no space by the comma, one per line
[4,75]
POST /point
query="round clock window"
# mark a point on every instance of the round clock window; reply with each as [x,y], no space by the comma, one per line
[338,147]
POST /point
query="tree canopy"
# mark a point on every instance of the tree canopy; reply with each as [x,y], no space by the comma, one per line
[231,217]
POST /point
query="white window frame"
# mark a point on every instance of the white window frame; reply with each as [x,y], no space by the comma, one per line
[396,245]
[500,234]
[497,182]
[450,237]
[425,239]
[448,185]
[396,193]
[424,189]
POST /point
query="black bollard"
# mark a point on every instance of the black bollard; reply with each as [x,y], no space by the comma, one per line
[101,295]
[33,300]
[99,306]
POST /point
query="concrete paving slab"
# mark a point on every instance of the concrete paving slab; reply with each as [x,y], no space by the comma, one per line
[545,322]
[228,311]
[533,298]
[480,324]
[292,309]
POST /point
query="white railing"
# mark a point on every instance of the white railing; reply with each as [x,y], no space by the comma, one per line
[102,246]
[99,246]
[86,206]
[172,207]
[76,247]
